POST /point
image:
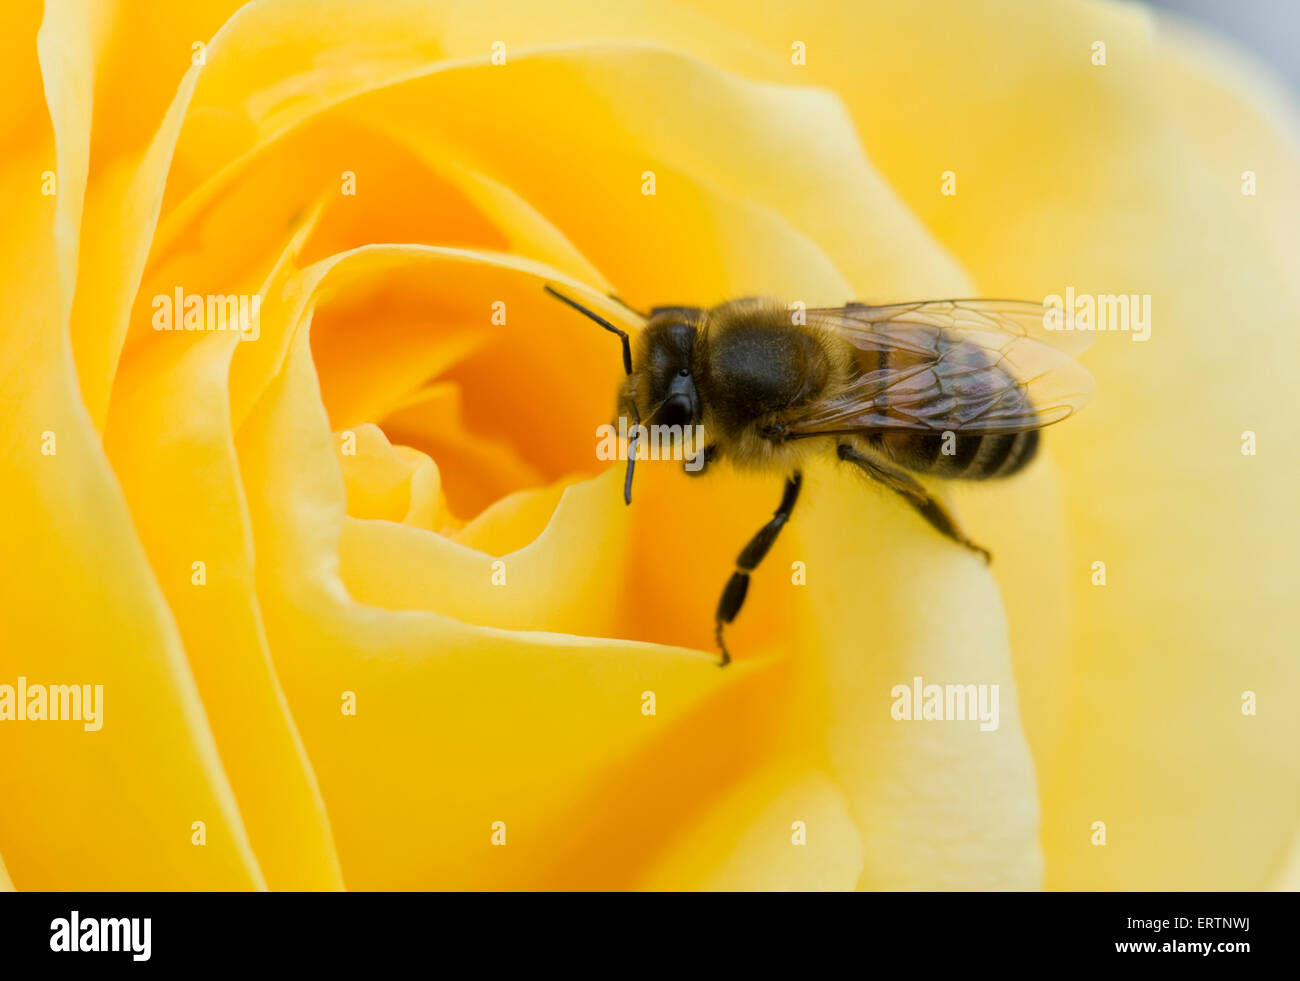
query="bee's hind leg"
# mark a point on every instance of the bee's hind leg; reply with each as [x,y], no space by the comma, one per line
[733,595]
[910,489]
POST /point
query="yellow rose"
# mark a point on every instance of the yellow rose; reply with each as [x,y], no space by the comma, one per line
[368,612]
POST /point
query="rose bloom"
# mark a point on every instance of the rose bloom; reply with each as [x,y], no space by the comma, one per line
[368,611]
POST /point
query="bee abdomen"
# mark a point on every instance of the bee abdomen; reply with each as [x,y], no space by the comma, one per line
[955,457]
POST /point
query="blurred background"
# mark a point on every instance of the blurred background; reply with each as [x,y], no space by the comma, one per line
[1269,28]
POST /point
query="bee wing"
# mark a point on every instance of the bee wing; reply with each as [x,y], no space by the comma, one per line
[1022,318]
[966,366]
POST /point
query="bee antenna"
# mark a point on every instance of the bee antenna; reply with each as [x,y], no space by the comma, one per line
[627,344]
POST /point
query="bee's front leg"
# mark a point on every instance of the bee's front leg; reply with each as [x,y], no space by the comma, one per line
[733,594]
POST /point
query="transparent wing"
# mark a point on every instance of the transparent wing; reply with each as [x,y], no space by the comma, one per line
[966,366]
[1023,318]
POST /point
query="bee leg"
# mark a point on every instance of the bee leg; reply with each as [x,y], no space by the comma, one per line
[733,596]
[911,491]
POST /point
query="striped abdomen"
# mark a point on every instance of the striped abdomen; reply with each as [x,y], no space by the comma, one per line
[949,385]
[969,457]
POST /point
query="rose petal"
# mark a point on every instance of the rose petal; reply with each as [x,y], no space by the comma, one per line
[170,421]
[152,769]
[763,855]
[390,483]
[471,754]
[940,804]
[1165,124]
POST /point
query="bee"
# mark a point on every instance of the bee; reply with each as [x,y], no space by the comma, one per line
[953,389]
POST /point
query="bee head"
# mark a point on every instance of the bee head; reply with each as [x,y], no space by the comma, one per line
[662,383]
[660,390]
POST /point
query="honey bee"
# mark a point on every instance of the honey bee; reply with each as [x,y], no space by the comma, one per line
[953,389]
